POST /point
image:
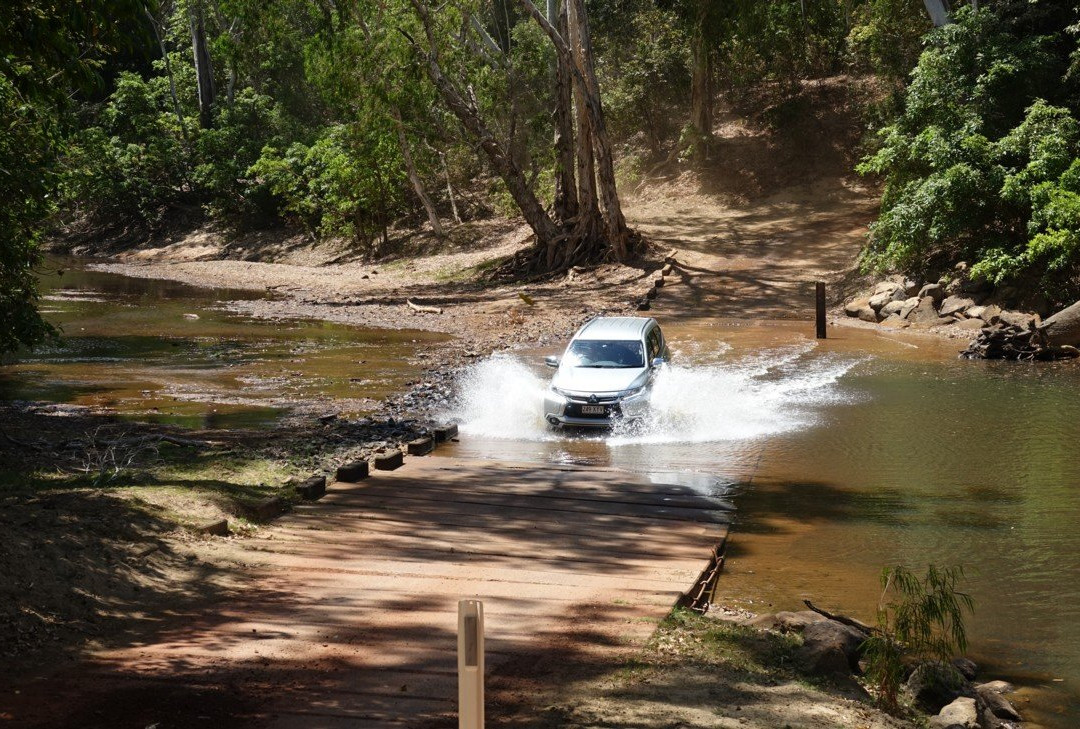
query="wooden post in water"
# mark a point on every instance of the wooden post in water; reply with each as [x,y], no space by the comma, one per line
[820,309]
[470,664]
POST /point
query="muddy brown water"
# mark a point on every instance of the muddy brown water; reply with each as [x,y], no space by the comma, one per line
[166,352]
[866,450]
[842,456]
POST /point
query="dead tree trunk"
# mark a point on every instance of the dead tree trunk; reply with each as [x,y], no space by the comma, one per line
[204,70]
[414,176]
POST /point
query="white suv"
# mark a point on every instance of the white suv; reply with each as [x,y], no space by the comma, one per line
[605,373]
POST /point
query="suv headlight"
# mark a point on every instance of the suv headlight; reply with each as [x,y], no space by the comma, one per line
[559,393]
[632,392]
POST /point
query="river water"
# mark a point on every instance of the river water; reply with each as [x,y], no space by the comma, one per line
[848,455]
[166,352]
[842,456]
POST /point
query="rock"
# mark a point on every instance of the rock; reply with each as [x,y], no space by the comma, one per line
[909,306]
[934,291]
[191,316]
[975,312]
[911,287]
[998,687]
[824,640]
[269,509]
[971,324]
[789,622]
[217,528]
[852,308]
[886,287]
[444,433]
[877,301]
[991,314]
[924,313]
[893,307]
[420,446]
[1017,319]
[997,704]
[942,321]
[961,267]
[955,304]
[932,685]
[967,667]
[953,287]
[960,714]
[893,321]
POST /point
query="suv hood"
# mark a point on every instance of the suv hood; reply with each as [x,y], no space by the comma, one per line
[591,380]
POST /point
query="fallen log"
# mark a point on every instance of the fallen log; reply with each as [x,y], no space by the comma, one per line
[421,308]
[851,622]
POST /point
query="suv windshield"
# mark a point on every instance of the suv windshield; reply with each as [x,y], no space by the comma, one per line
[603,353]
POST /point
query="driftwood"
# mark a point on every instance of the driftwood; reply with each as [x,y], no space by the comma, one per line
[421,308]
[852,622]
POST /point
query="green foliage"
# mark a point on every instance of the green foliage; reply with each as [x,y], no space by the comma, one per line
[980,164]
[48,50]
[886,35]
[348,183]
[920,617]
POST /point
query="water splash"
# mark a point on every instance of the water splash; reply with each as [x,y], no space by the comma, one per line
[709,396]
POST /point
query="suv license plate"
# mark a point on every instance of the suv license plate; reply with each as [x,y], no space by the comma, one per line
[593,410]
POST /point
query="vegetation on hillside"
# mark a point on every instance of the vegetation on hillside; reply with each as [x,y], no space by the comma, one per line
[983,162]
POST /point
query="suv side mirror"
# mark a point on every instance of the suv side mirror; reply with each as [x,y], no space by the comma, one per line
[551,361]
[657,361]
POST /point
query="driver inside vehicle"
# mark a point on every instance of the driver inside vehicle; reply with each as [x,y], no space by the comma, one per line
[599,353]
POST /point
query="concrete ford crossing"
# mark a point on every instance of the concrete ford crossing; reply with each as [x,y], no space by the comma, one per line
[606,372]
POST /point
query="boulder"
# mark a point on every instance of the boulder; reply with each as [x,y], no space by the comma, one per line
[1063,328]
[924,313]
[998,687]
[975,312]
[909,306]
[955,304]
[894,321]
[887,287]
[1017,319]
[893,307]
[967,667]
[996,704]
[877,301]
[788,622]
[954,287]
[911,287]
[991,314]
[862,309]
[942,321]
[960,714]
[971,324]
[823,641]
[932,685]
[934,291]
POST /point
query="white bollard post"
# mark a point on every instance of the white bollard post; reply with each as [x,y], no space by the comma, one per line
[470,664]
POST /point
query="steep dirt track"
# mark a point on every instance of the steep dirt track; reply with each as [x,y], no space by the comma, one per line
[351,619]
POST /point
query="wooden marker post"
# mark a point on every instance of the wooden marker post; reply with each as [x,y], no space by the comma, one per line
[470,664]
[820,309]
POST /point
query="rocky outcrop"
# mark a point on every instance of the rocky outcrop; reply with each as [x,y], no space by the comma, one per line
[1020,337]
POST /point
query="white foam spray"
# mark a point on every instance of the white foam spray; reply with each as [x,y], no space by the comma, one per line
[709,395]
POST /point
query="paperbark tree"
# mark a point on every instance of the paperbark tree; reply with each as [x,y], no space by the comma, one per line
[701,84]
[204,69]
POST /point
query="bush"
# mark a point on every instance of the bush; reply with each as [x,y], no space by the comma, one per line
[918,617]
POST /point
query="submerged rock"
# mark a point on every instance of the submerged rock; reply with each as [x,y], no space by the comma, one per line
[996,704]
[967,667]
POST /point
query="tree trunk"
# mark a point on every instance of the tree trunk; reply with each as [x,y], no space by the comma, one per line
[617,232]
[449,188]
[501,161]
[566,199]
[204,70]
[168,72]
[414,176]
[701,92]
